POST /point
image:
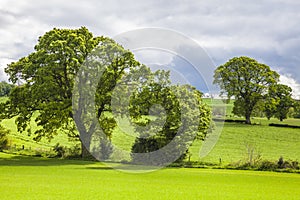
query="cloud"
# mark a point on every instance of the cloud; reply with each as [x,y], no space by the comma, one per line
[4,62]
[288,80]
[266,30]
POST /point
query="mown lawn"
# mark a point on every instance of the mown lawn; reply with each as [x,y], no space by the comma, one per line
[39,178]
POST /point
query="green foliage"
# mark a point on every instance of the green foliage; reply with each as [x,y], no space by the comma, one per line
[3,138]
[48,75]
[246,80]
[279,101]
[296,111]
[110,61]
[5,88]
[67,152]
[175,110]
[49,78]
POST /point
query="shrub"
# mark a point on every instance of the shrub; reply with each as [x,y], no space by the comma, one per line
[60,150]
[65,152]
[267,166]
[3,138]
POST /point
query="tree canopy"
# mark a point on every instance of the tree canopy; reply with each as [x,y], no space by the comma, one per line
[65,59]
[48,76]
[47,81]
[247,81]
[5,88]
[278,101]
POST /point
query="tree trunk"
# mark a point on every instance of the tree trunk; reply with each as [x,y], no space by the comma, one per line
[85,153]
[248,119]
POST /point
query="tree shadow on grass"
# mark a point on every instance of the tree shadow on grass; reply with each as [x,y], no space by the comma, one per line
[20,160]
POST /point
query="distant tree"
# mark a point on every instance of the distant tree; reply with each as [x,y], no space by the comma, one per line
[247,81]
[296,113]
[5,88]
[279,101]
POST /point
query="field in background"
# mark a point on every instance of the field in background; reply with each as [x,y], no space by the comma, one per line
[39,178]
[235,141]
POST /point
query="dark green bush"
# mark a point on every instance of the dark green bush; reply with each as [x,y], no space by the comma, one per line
[3,138]
[267,166]
[66,152]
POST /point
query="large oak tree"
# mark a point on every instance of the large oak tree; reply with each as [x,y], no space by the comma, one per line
[46,81]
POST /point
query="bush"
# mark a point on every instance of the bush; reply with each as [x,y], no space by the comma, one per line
[60,150]
[65,152]
[3,138]
[287,164]
[267,166]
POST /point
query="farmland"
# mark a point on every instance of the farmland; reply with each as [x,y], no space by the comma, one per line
[40,178]
[269,143]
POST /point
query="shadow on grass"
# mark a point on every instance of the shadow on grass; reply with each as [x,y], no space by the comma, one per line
[19,160]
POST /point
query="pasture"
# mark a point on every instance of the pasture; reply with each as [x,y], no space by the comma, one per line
[235,140]
[26,177]
[40,178]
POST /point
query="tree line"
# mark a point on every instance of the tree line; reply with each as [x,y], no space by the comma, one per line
[64,59]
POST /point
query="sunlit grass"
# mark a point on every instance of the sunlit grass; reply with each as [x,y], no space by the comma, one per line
[37,178]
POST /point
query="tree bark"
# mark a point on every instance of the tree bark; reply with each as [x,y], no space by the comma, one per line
[248,119]
[85,153]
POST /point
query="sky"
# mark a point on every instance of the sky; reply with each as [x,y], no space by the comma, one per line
[268,31]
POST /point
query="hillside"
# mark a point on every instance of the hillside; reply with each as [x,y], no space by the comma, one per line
[235,142]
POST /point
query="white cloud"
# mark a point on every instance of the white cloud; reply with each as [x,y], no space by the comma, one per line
[288,80]
[3,64]
[266,30]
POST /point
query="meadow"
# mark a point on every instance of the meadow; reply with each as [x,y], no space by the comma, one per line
[41,178]
[28,177]
[269,143]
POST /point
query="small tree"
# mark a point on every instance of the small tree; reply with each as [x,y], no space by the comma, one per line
[279,101]
[296,113]
[175,119]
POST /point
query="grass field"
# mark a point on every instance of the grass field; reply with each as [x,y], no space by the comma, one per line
[269,142]
[39,178]
[25,177]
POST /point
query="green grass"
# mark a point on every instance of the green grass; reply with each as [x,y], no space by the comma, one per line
[38,178]
[218,104]
[18,140]
[269,142]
